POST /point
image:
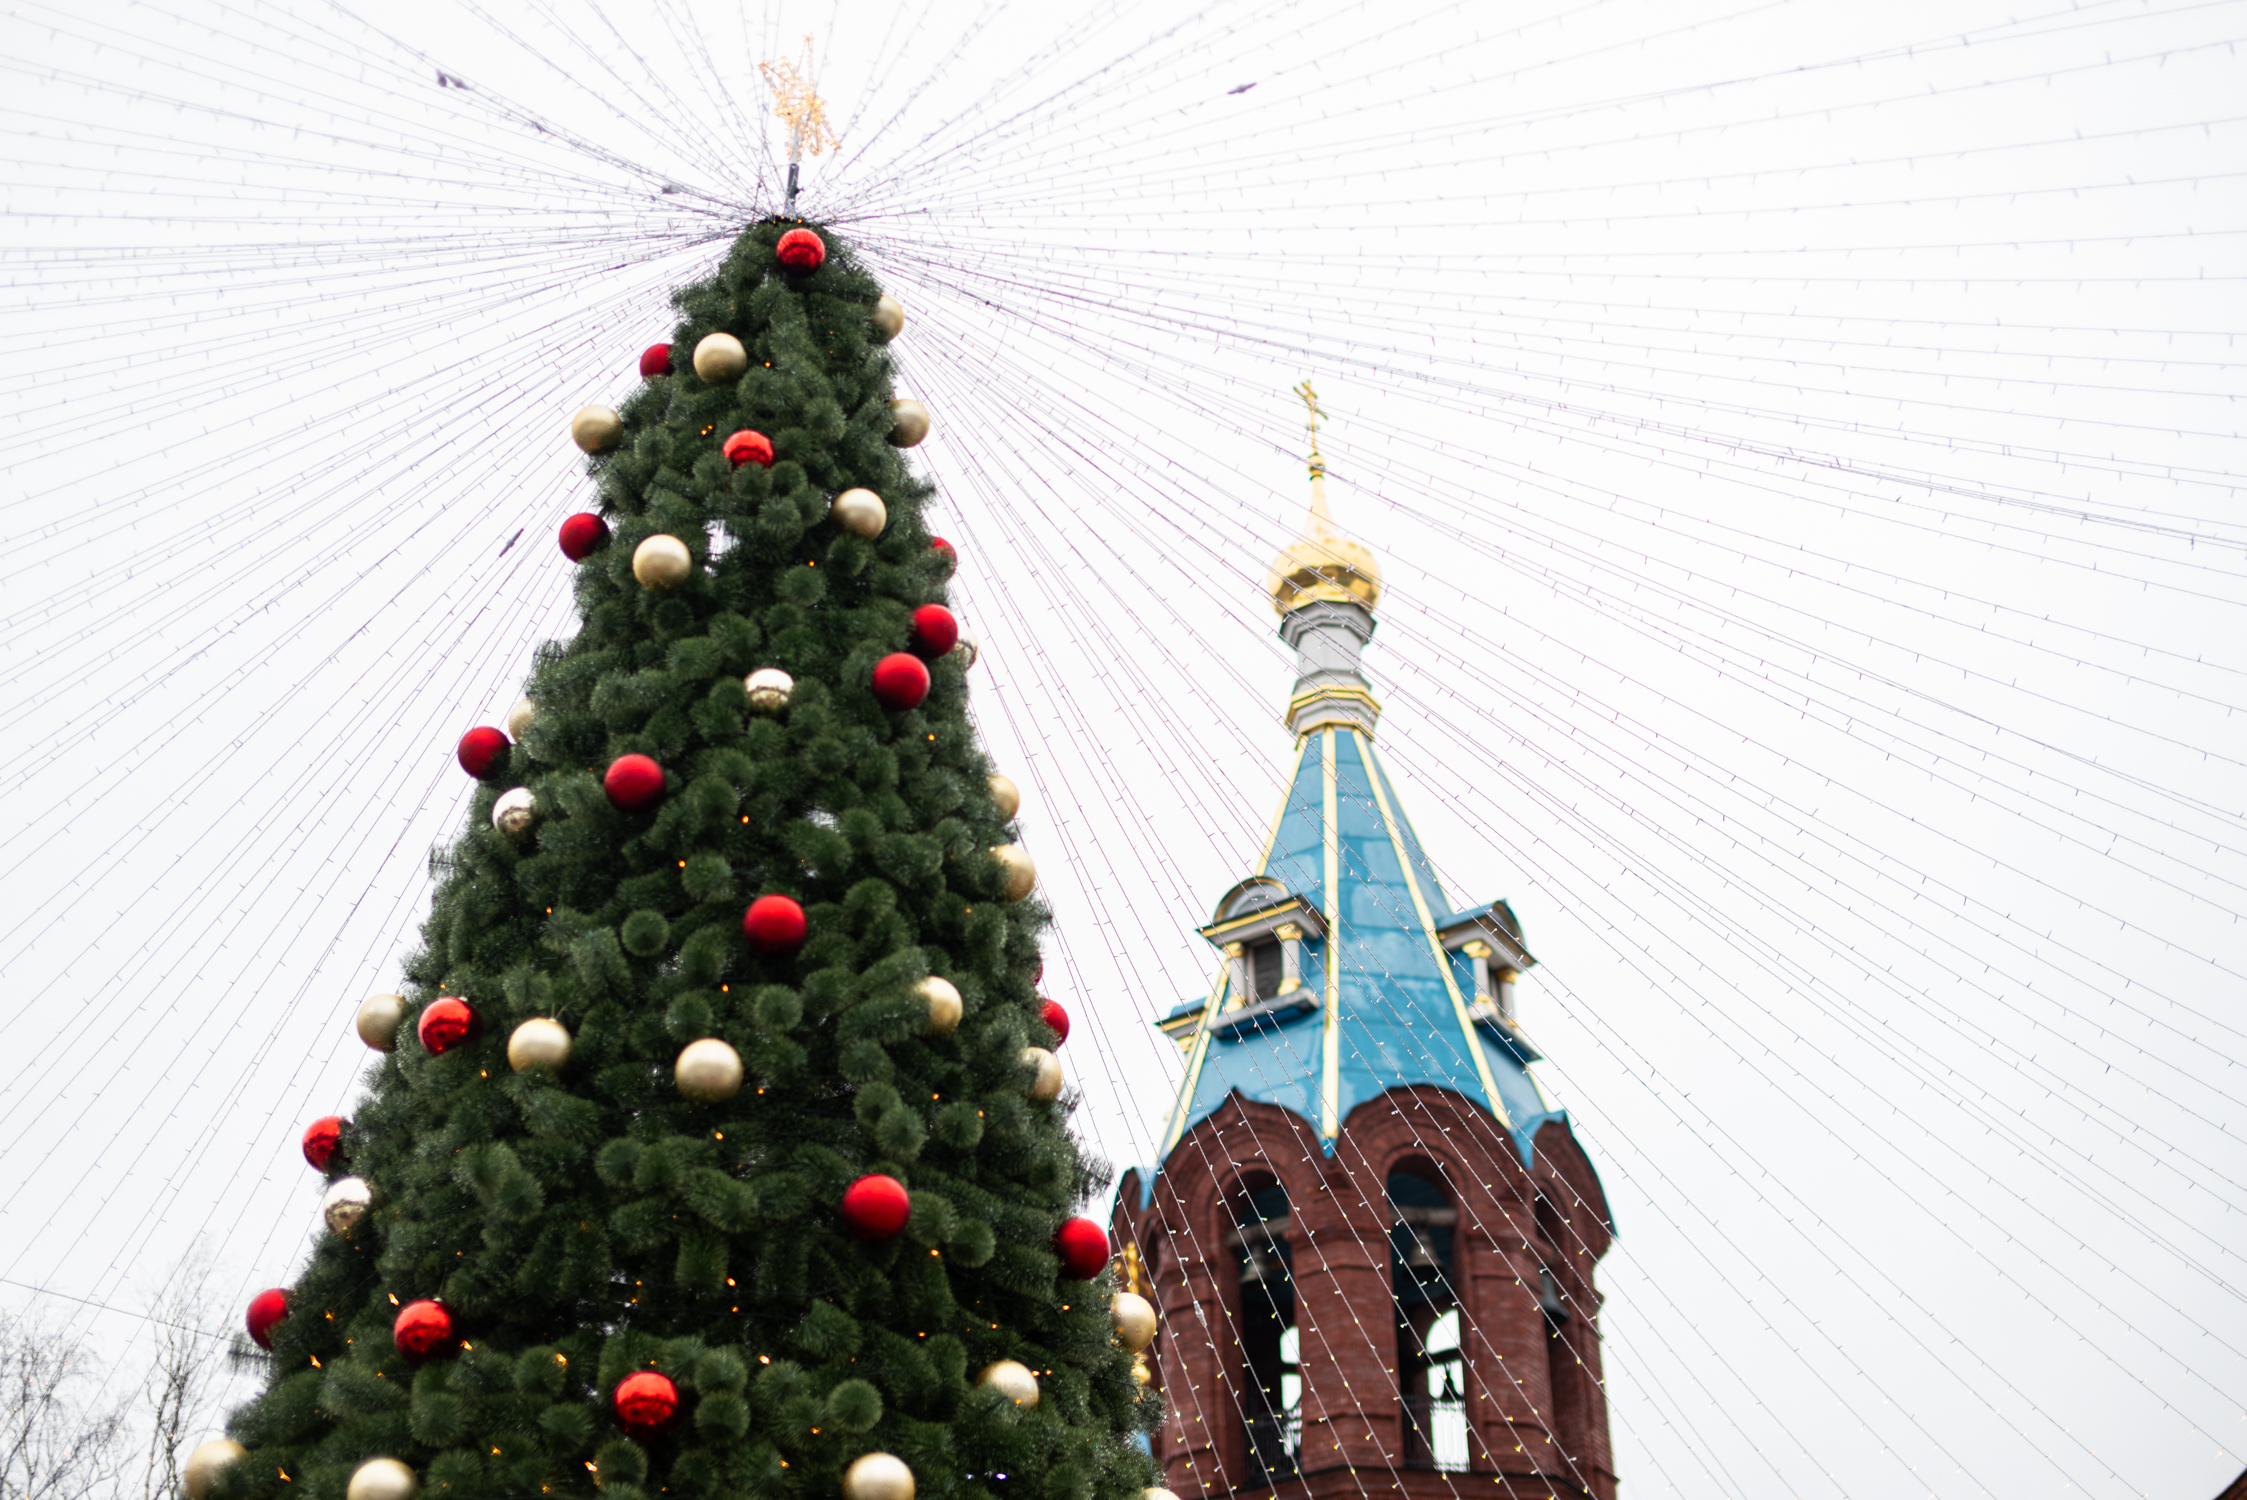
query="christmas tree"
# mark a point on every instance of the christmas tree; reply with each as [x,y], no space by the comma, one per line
[716,1147]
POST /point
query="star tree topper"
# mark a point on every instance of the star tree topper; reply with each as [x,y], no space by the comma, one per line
[797,102]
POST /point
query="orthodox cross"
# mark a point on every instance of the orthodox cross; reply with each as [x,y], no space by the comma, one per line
[1314,412]
[796,102]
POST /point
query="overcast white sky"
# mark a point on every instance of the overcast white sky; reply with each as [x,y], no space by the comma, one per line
[1801,440]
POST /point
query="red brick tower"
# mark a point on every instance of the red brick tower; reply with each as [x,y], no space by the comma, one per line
[1370,1238]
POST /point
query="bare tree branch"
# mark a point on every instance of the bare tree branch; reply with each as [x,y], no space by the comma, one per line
[184,1379]
[52,1447]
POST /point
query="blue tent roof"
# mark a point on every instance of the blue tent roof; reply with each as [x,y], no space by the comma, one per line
[1392,1004]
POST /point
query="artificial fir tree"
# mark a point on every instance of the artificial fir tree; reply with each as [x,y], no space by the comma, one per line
[713,1150]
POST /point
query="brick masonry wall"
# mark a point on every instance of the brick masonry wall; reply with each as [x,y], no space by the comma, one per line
[1531,1434]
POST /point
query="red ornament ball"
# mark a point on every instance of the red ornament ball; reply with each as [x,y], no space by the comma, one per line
[947,551]
[1083,1247]
[266,1309]
[583,535]
[935,631]
[646,1401]
[633,782]
[421,1329]
[875,1208]
[446,1024]
[801,250]
[1053,1015]
[480,749]
[748,447]
[323,1138]
[655,360]
[900,681]
[774,925]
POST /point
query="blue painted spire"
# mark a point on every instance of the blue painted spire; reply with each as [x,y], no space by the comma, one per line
[1343,970]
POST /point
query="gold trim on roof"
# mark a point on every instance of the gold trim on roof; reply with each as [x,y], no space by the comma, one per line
[1330,1046]
[1272,834]
[1332,694]
[1263,916]
[1376,774]
[1180,1029]
[1174,1129]
[1331,707]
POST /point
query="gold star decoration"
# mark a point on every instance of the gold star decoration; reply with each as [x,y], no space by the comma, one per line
[796,102]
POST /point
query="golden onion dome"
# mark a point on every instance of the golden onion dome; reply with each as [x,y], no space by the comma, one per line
[1323,564]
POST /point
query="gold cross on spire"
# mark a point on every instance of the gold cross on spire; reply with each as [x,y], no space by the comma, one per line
[1314,412]
[795,101]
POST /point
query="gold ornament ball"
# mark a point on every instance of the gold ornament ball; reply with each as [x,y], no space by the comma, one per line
[539,1044]
[596,429]
[1135,1320]
[859,512]
[1020,872]
[1157,1492]
[514,811]
[708,1071]
[720,357]
[381,1479]
[769,689]
[1011,1379]
[519,718]
[345,1203]
[206,1463]
[1143,1375]
[662,562]
[1045,1074]
[878,1476]
[1008,796]
[889,317]
[944,1004]
[378,1020]
[908,423]
[968,650]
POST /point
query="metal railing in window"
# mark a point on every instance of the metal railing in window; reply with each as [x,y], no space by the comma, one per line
[1435,1401]
[1275,1423]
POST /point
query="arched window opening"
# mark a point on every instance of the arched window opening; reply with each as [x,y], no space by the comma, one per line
[1562,1376]
[1271,1348]
[1552,1230]
[1430,1347]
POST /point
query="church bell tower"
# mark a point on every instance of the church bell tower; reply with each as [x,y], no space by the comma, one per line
[1370,1237]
